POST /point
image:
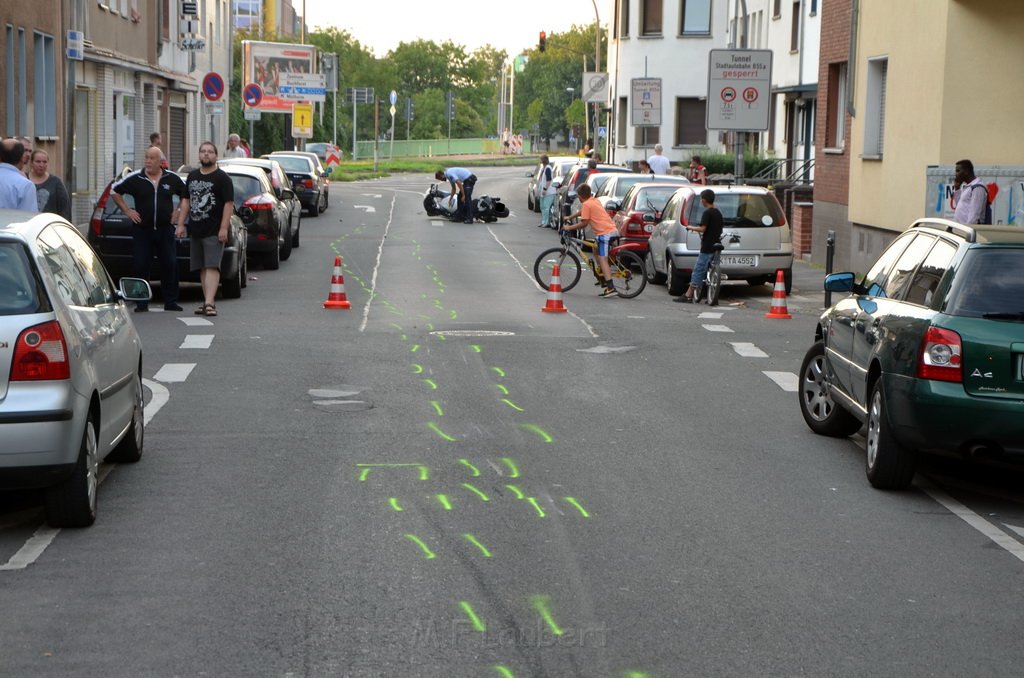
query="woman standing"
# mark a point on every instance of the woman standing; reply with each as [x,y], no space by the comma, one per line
[51,195]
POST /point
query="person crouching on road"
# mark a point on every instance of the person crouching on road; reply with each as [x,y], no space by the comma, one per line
[592,213]
[462,181]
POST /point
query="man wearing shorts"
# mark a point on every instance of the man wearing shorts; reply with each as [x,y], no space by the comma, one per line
[593,214]
[209,205]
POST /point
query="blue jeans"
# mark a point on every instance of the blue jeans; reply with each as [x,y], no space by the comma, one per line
[545,209]
[700,268]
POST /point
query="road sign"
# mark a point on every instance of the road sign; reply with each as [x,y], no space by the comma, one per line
[646,102]
[394,98]
[392,111]
[190,7]
[359,95]
[302,121]
[739,82]
[76,45]
[213,86]
[251,113]
[303,87]
[252,94]
[595,88]
[213,107]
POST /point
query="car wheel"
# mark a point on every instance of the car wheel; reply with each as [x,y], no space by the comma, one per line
[321,206]
[889,465]
[243,267]
[822,414]
[295,231]
[787,276]
[272,259]
[72,502]
[314,210]
[530,203]
[231,287]
[286,244]
[676,281]
[653,276]
[129,450]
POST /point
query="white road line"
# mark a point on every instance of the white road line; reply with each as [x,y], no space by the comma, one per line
[748,350]
[32,549]
[197,341]
[1014,547]
[717,328]
[1018,530]
[787,381]
[160,397]
[196,322]
[174,372]
[708,315]
[376,266]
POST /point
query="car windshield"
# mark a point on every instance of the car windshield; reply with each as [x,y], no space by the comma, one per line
[742,209]
[18,289]
[292,163]
[988,283]
[653,199]
[245,187]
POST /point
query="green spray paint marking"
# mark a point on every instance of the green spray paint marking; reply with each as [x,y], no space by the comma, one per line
[441,337]
[437,408]
[540,604]
[504,391]
[500,372]
[394,504]
[512,405]
[533,428]
[405,337]
[475,348]
[475,491]
[395,325]
[414,348]
[533,501]
[366,468]
[504,671]
[431,384]
[433,427]
[443,498]
[634,674]
[473,469]
[473,540]
[453,315]
[576,504]
[419,542]
[430,327]
[515,490]
[468,609]
[513,470]
[417,369]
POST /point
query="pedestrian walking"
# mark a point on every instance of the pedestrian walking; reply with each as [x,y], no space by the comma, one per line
[462,182]
[152,190]
[16,191]
[51,193]
[658,163]
[546,191]
[969,203]
[209,203]
[698,172]
[234,149]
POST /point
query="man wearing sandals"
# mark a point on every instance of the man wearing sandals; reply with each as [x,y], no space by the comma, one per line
[209,205]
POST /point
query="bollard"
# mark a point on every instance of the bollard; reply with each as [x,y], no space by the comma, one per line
[830,253]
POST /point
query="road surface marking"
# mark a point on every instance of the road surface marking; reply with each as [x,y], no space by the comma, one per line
[376,267]
[717,328]
[787,381]
[32,549]
[174,372]
[1015,548]
[709,315]
[197,341]
[196,322]
[748,350]
[160,397]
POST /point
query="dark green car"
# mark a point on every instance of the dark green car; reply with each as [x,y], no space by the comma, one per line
[927,351]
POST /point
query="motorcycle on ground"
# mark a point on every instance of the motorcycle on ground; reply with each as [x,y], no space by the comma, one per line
[438,202]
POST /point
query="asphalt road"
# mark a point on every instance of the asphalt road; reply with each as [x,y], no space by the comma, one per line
[445,481]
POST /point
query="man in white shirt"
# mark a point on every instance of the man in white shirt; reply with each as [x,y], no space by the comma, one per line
[969,202]
[17,191]
[659,164]
[234,149]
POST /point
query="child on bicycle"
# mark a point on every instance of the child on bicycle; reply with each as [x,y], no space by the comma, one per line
[593,214]
[710,230]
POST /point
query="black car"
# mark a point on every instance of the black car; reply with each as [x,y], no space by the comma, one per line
[281,184]
[265,217]
[110,234]
[308,182]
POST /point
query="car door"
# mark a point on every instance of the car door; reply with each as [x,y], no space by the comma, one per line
[658,243]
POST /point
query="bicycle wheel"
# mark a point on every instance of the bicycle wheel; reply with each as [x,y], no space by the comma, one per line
[569,268]
[629,277]
[714,283]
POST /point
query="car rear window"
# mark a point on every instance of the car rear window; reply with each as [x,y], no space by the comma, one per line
[745,210]
[653,199]
[19,288]
[988,282]
[293,164]
[245,187]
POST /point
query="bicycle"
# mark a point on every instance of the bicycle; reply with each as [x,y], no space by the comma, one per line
[712,283]
[629,275]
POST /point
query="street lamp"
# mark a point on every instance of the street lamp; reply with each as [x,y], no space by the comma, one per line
[571,91]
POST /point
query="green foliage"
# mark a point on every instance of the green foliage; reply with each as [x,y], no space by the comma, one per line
[725,163]
[576,113]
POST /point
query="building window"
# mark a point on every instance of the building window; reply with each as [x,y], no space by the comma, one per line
[623,120]
[776,9]
[691,114]
[9,128]
[814,7]
[22,85]
[45,89]
[794,34]
[165,28]
[650,17]
[646,136]
[695,17]
[874,108]
[835,116]
[623,11]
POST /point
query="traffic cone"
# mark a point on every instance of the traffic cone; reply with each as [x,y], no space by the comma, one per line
[778,310]
[554,304]
[336,299]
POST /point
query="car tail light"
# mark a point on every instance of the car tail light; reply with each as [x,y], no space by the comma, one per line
[41,354]
[941,356]
[635,224]
[308,183]
[96,222]
[259,202]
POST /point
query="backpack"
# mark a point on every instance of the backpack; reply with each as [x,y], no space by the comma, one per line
[987,218]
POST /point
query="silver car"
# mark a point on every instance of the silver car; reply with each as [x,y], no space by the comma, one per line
[70,365]
[752,212]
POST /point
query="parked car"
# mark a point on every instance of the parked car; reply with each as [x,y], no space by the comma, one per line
[70,365]
[614,190]
[110,234]
[558,162]
[566,195]
[639,210]
[752,212]
[266,219]
[308,182]
[927,350]
[282,188]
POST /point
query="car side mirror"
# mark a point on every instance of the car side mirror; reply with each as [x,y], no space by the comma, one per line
[287,194]
[326,174]
[612,206]
[556,183]
[530,174]
[135,289]
[839,282]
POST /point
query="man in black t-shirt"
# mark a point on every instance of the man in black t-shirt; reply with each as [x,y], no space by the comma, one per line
[209,205]
[710,230]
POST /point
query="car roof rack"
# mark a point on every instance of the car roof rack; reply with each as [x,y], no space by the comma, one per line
[966,232]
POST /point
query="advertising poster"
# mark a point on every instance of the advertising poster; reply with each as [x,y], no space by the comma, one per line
[264,62]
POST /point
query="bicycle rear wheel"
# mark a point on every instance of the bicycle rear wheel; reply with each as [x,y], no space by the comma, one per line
[714,284]
[629,276]
[569,268]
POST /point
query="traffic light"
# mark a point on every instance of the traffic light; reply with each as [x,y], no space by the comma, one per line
[543,41]
[449,105]
[409,109]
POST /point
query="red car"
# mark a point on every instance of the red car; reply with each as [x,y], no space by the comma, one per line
[638,211]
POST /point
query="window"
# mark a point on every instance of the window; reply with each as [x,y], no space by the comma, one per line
[835,116]
[80,142]
[22,85]
[875,277]
[874,108]
[691,121]
[647,136]
[70,282]
[623,12]
[9,78]
[695,17]
[45,86]
[921,289]
[814,7]
[794,34]
[623,120]
[101,289]
[987,281]
[165,27]
[906,265]
[776,9]
[650,17]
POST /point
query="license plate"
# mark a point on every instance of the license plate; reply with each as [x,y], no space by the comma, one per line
[736,260]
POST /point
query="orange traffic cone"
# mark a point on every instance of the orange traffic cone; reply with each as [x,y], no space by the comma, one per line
[554,304]
[778,310]
[337,299]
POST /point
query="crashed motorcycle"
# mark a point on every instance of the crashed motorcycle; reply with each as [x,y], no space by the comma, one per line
[438,202]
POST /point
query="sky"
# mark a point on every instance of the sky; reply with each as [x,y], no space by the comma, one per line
[512,25]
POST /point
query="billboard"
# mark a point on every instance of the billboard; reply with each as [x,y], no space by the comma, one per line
[264,62]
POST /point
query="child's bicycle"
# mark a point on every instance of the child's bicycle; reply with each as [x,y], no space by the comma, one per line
[629,275]
[709,289]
